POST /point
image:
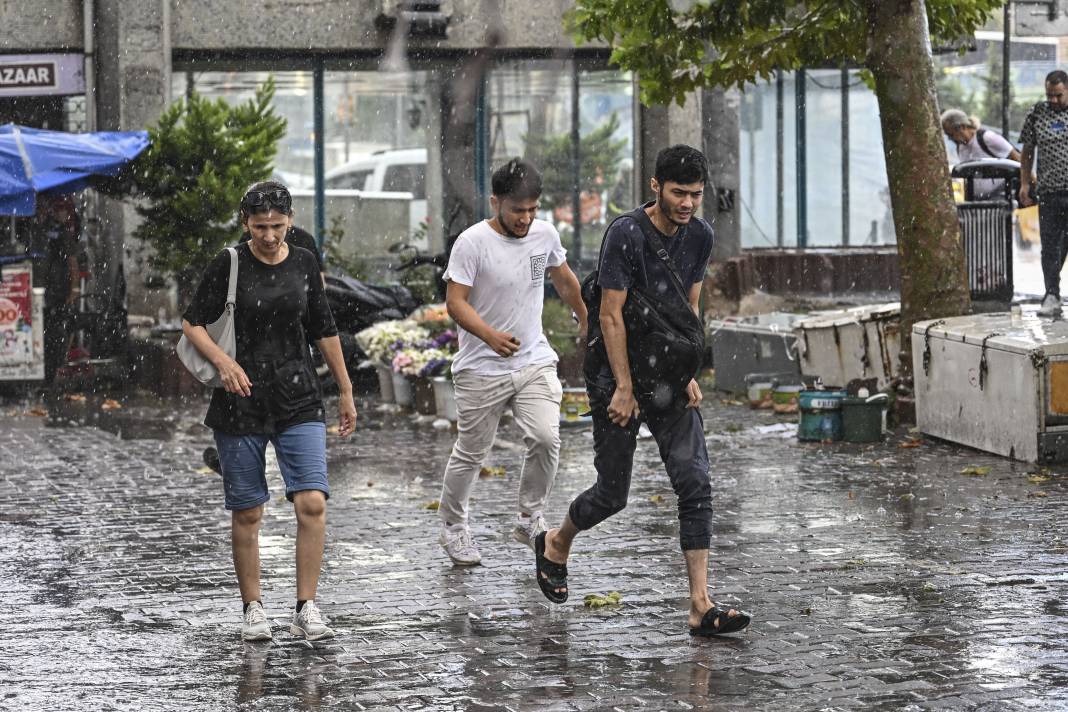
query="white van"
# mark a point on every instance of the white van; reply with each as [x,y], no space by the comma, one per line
[388,171]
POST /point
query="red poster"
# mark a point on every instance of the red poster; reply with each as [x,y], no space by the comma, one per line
[15,293]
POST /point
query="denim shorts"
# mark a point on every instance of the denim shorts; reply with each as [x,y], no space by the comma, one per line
[301,453]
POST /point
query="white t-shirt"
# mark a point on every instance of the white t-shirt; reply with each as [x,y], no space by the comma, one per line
[507,280]
[972,151]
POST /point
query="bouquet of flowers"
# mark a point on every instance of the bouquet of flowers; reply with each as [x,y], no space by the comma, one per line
[382,340]
[426,357]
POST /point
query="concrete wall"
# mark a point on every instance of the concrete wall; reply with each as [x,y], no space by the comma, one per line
[345,25]
[40,25]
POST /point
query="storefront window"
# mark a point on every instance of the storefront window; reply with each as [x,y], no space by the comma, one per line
[376,141]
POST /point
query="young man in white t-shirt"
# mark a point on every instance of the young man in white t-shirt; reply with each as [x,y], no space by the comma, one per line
[496,287]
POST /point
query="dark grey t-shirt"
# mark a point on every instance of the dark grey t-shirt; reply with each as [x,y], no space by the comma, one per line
[1047,129]
[628,262]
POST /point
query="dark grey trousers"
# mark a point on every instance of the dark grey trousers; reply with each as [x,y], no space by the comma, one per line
[679,433]
[1053,228]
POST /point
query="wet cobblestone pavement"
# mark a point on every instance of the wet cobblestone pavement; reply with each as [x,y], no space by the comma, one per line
[880,578]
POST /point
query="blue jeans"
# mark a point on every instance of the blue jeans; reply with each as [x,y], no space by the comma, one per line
[680,436]
[301,452]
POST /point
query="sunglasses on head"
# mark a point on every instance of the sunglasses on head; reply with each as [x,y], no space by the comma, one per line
[277,198]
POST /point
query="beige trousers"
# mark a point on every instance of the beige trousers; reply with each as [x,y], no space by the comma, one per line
[534,396]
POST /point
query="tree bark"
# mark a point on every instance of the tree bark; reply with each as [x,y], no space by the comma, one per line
[934,282]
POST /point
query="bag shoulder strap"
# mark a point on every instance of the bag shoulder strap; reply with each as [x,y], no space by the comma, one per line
[231,287]
[982,143]
[658,247]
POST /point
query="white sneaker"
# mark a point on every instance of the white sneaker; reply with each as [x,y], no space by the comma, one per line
[256,626]
[460,546]
[308,623]
[1051,306]
[527,528]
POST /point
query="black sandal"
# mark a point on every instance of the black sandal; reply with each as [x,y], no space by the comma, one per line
[551,575]
[718,621]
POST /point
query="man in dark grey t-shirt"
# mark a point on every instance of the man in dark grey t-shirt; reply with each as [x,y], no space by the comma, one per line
[1046,129]
[630,262]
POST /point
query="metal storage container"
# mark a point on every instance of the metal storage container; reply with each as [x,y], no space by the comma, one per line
[994,382]
[849,344]
[762,344]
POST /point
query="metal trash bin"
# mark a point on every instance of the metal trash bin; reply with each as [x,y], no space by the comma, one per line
[986,227]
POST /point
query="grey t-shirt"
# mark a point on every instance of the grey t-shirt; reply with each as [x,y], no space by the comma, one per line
[1047,129]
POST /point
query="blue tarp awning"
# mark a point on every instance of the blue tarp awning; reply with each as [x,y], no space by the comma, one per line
[36,161]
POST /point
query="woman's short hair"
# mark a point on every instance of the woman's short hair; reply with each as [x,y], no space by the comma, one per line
[955,118]
[266,187]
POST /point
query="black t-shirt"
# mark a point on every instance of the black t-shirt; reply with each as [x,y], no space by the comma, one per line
[628,262]
[300,238]
[279,308]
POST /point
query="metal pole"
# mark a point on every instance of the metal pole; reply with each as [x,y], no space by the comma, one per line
[576,168]
[780,146]
[802,168]
[320,153]
[845,157]
[1006,58]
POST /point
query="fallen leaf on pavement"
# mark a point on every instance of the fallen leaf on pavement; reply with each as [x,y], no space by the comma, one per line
[205,471]
[110,404]
[976,471]
[38,412]
[915,442]
[594,600]
[1035,479]
[657,499]
[1037,494]
[333,430]
[76,397]
[491,472]
[432,505]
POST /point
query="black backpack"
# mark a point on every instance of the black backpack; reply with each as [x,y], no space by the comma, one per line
[665,338]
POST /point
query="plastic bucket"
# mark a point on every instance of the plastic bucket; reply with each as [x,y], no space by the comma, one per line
[862,419]
[760,394]
[821,415]
[785,399]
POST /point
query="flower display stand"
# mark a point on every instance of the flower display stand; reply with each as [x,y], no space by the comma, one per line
[445,398]
[385,384]
[402,390]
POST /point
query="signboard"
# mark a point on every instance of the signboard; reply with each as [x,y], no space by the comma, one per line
[21,325]
[42,74]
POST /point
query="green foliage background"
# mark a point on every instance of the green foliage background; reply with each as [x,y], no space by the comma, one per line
[203,155]
[672,52]
[600,156]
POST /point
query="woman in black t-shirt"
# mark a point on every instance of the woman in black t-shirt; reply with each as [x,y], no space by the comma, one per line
[270,393]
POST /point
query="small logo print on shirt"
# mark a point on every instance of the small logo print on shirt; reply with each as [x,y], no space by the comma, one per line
[537,268]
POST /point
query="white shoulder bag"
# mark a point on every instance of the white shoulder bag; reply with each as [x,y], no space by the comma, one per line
[221,332]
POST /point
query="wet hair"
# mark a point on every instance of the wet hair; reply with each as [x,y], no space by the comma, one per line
[955,118]
[517,179]
[1057,76]
[681,164]
[265,186]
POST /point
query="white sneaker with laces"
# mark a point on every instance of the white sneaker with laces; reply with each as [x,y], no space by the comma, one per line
[1051,306]
[256,626]
[527,528]
[460,546]
[308,623]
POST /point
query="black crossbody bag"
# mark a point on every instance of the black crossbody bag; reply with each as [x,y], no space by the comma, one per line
[665,338]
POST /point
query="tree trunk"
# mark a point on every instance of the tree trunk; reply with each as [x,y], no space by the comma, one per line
[934,283]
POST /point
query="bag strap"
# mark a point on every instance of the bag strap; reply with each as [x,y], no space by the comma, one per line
[231,287]
[982,143]
[658,246]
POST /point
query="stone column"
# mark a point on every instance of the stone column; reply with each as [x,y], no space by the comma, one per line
[720,144]
[133,61]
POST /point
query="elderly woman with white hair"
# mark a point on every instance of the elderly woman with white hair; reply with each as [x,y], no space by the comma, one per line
[975,143]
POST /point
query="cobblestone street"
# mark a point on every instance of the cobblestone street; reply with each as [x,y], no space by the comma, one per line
[879,577]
